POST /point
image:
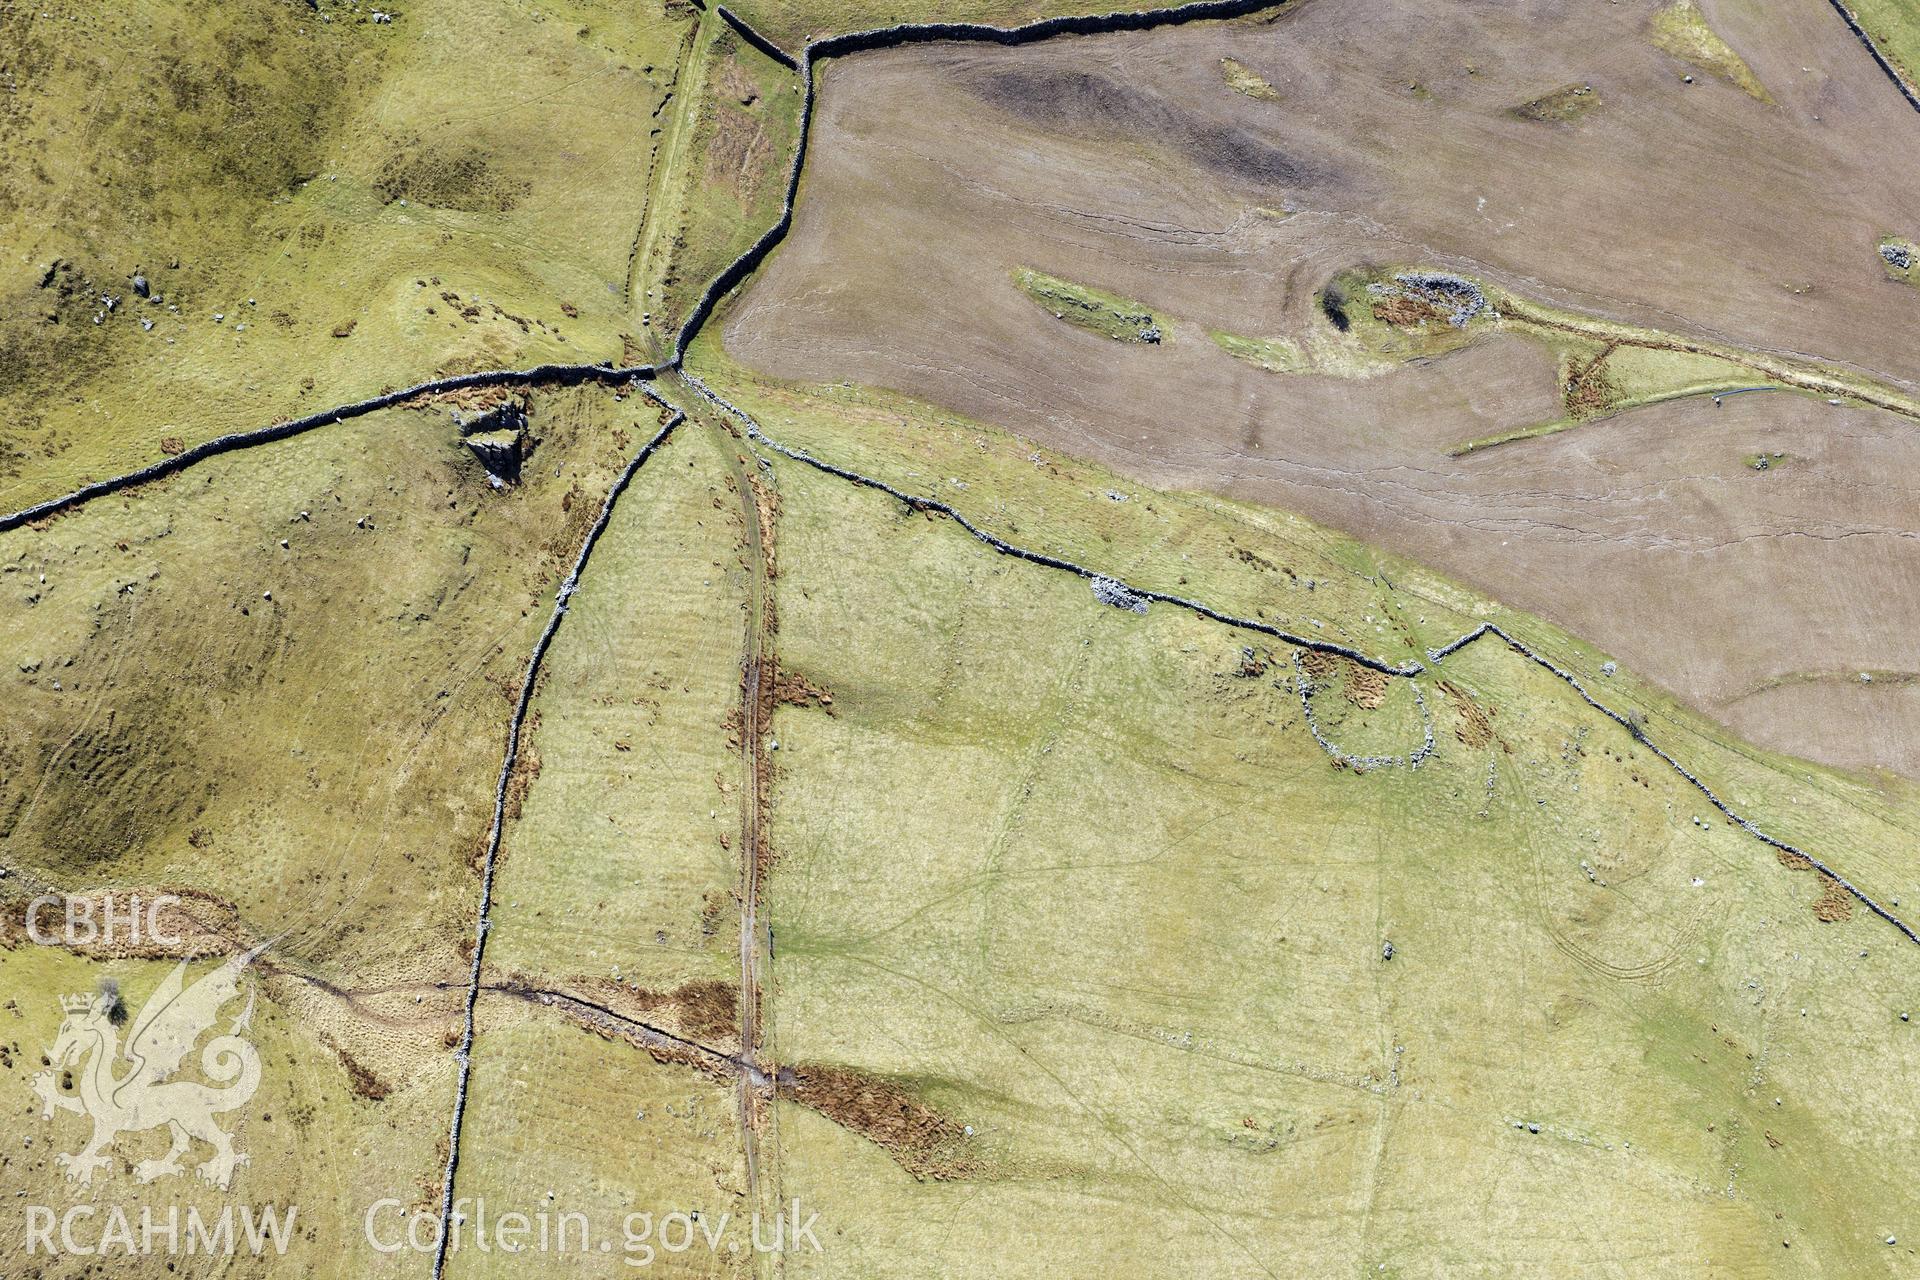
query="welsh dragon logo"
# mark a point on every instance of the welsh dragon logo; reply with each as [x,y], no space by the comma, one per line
[145,1096]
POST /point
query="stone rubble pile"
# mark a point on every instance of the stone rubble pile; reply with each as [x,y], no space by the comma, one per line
[1460,298]
[1118,594]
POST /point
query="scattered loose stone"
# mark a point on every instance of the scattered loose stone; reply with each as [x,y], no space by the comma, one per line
[1109,591]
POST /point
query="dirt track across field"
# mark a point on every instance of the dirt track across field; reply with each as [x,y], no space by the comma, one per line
[1127,162]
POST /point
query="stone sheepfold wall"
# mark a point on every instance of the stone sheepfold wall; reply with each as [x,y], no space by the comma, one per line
[1108,587]
[1304,685]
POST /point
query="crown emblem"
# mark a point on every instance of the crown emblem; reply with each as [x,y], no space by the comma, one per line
[76,1003]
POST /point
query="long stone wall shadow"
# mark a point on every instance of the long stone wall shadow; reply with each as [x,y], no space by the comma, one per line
[729,277]
[1893,73]
[736,272]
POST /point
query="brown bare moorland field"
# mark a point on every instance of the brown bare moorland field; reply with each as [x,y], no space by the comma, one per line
[1131,164]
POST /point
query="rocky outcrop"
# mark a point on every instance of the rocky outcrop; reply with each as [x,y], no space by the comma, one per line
[499,438]
[1117,594]
[508,415]
[501,453]
[1459,298]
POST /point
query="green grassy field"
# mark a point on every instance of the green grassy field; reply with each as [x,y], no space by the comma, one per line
[565,1122]
[1275,355]
[1107,314]
[311,1138]
[1107,903]
[1243,79]
[620,866]
[733,132]
[1682,30]
[1895,28]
